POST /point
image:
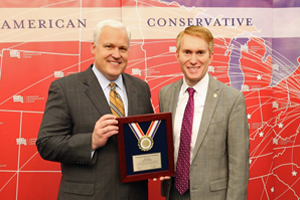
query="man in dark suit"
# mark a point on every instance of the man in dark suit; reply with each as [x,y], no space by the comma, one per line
[215,140]
[78,129]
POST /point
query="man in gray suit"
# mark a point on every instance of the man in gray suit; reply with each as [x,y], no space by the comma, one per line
[78,129]
[218,148]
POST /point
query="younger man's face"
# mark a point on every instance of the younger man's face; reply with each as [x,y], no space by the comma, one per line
[194,58]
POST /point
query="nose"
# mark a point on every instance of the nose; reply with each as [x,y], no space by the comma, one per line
[193,59]
[116,53]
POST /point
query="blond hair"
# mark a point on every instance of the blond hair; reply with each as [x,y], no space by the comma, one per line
[198,31]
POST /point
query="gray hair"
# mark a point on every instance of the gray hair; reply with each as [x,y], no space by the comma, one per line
[110,23]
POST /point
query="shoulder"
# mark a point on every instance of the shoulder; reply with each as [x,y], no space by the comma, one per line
[170,87]
[76,77]
[134,80]
[224,88]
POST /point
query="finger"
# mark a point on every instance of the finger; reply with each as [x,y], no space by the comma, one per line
[164,178]
[106,121]
[107,117]
[109,128]
[110,133]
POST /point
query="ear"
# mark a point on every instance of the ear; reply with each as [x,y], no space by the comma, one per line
[177,56]
[93,48]
[211,57]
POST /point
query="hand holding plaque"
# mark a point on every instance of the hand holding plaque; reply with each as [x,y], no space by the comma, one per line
[145,146]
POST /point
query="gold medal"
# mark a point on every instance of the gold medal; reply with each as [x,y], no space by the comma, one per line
[145,143]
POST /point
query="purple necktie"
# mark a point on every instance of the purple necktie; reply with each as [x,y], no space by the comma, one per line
[183,160]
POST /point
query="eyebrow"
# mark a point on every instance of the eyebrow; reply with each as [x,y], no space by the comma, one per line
[187,49]
[112,44]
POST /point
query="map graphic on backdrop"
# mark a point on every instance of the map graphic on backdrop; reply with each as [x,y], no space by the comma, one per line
[250,55]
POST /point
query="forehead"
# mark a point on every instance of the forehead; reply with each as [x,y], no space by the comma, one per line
[113,35]
[192,42]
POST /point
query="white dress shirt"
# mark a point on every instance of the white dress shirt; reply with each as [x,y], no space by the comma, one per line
[104,83]
[199,100]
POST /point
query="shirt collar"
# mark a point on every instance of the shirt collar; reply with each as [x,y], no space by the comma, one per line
[200,87]
[104,82]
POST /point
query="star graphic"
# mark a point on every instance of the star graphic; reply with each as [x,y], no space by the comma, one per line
[249,116]
[272,189]
[275,141]
[294,173]
[261,134]
[259,77]
[280,125]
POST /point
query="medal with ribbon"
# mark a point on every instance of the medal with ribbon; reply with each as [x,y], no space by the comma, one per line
[145,141]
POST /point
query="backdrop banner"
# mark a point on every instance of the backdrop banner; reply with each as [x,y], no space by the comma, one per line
[257,51]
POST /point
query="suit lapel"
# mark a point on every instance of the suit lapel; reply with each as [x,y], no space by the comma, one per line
[132,95]
[173,97]
[213,94]
[95,92]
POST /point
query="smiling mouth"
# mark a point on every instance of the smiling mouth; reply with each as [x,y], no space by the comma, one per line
[195,67]
[114,62]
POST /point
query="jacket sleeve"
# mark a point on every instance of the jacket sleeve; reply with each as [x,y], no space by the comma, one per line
[56,141]
[238,150]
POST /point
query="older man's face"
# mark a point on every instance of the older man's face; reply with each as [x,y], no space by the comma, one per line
[111,52]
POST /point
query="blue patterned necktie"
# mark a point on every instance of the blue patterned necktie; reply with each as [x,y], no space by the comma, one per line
[183,160]
[116,103]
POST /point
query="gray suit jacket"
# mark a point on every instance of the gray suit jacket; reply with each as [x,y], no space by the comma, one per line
[74,104]
[220,165]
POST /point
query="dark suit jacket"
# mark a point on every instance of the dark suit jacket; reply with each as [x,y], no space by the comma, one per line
[74,104]
[220,165]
